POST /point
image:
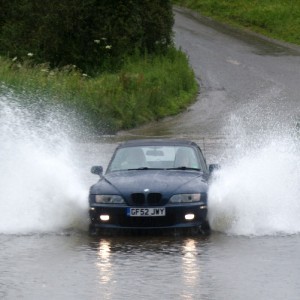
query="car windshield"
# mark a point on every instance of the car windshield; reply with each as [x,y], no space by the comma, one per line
[154,157]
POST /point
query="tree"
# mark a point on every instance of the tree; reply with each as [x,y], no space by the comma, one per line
[91,34]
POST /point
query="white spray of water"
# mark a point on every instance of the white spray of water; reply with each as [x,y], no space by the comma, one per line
[40,186]
[257,191]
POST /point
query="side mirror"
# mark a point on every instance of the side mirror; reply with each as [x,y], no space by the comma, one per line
[213,167]
[98,170]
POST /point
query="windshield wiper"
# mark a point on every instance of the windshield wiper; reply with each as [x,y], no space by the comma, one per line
[184,168]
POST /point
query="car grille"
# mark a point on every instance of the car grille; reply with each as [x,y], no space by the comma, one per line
[138,198]
[151,199]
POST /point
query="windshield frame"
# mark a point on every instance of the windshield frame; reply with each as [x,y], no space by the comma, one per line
[158,157]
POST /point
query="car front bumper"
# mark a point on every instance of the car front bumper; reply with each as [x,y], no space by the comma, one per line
[175,217]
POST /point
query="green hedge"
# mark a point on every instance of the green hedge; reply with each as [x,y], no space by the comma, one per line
[91,34]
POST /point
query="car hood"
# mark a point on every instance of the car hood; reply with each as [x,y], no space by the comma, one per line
[154,181]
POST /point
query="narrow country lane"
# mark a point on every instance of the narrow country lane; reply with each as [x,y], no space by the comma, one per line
[240,74]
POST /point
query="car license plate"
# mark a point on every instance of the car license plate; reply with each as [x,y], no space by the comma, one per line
[146,212]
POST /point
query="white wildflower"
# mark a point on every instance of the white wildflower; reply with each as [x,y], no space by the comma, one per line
[108,47]
[15,58]
[97,41]
[30,54]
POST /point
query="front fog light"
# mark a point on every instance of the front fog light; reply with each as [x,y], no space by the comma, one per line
[189,217]
[104,217]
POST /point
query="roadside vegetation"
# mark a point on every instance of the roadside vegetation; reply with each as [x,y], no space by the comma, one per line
[145,88]
[113,62]
[277,19]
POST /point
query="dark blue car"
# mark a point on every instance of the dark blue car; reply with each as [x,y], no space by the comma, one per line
[151,184]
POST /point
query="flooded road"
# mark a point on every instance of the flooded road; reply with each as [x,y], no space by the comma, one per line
[218,267]
[244,118]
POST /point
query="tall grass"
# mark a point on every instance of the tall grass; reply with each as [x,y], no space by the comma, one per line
[146,88]
[279,19]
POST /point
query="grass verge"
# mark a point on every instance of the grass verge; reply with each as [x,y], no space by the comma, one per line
[277,19]
[146,88]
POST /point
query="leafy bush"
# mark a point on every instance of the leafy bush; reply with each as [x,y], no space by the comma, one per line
[91,34]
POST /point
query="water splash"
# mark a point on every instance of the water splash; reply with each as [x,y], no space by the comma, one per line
[257,190]
[41,190]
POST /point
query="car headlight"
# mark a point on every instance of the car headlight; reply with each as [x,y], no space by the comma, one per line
[109,199]
[185,198]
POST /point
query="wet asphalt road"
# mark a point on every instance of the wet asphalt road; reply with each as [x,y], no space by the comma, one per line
[246,82]
[239,73]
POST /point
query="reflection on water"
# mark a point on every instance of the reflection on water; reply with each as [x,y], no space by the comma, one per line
[105,268]
[218,267]
[190,268]
[104,264]
[154,267]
